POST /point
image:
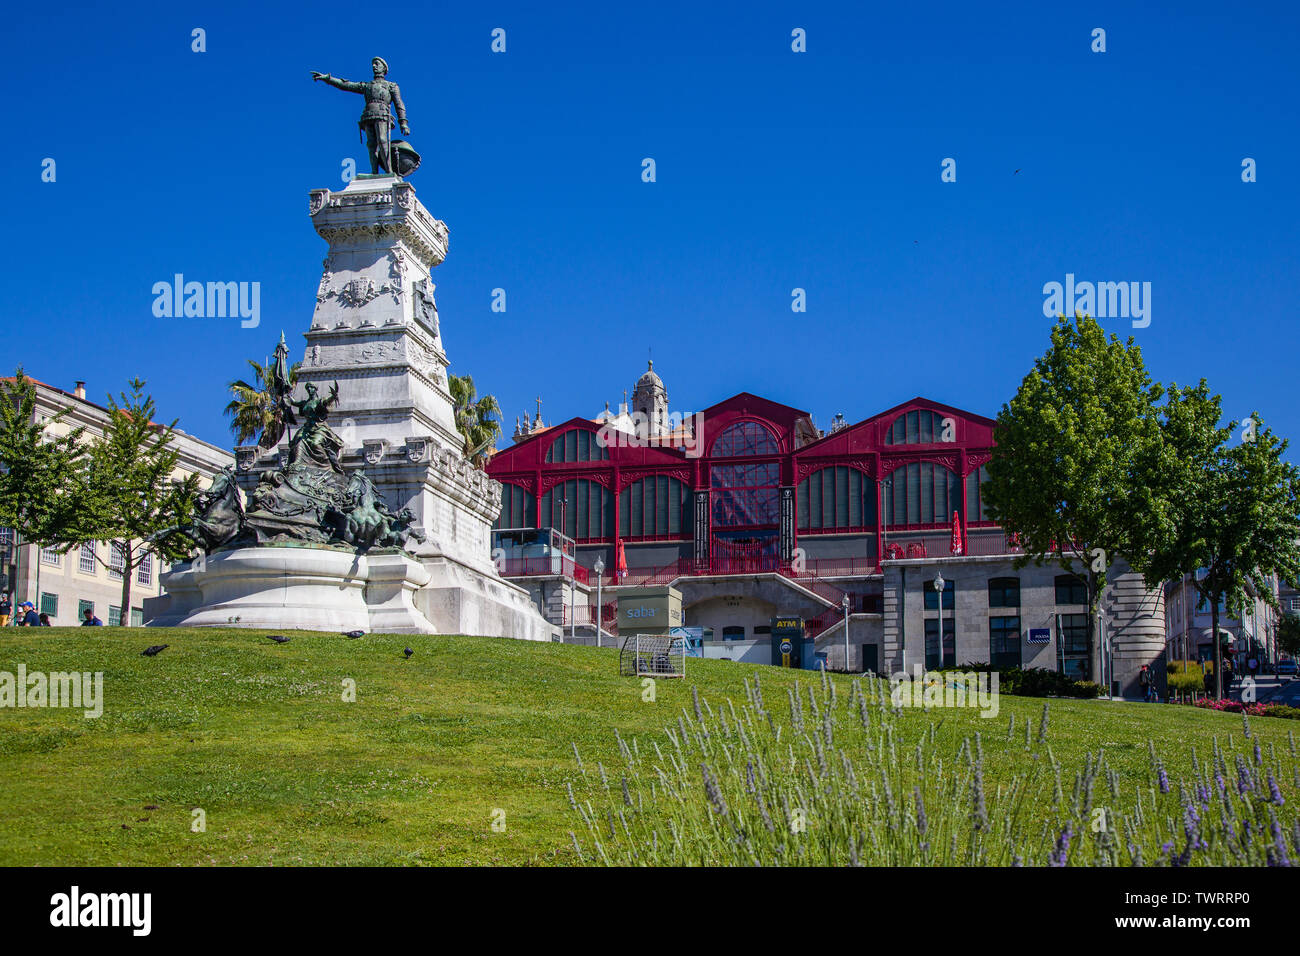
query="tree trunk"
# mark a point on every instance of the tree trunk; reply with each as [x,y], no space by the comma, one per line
[1094,631]
[1218,649]
[128,568]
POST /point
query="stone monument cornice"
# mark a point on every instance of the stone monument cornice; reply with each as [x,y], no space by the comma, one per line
[379,211]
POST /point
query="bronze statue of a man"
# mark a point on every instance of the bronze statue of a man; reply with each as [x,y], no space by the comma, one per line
[376,122]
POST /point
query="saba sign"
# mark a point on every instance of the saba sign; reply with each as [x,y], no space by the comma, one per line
[649,610]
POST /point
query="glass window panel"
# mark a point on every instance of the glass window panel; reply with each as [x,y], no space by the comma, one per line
[855,498]
[927,493]
[914,494]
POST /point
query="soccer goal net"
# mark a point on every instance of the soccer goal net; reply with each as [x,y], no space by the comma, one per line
[652,655]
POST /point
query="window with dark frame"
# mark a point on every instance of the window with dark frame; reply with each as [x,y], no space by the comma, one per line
[932,599]
[1004,592]
[1004,642]
[934,658]
[1071,589]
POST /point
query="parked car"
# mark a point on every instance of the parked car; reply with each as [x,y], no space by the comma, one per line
[1287,667]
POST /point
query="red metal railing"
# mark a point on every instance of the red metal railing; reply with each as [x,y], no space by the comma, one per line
[818,569]
[545,566]
[934,546]
[586,614]
[861,604]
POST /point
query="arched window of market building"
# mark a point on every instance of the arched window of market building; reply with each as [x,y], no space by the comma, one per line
[581,509]
[836,498]
[920,426]
[655,507]
[518,508]
[920,493]
[576,444]
[743,439]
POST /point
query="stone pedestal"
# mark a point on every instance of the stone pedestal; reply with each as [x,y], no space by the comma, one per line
[288,588]
[375,330]
[314,589]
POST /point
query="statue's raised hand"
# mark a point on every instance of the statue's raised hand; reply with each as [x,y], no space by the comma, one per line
[319,76]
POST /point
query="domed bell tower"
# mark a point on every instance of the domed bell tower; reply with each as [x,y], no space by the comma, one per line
[650,399]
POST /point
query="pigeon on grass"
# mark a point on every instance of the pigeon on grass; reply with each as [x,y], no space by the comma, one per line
[354,634]
[278,638]
[408,652]
[154,651]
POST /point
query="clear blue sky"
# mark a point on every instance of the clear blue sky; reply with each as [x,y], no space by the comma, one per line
[776,170]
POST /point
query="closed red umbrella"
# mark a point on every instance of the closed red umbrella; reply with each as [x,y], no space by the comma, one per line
[620,559]
[956,547]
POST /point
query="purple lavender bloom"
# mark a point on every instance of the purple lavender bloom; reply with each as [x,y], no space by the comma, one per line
[1243,776]
[921,823]
[1259,756]
[1277,852]
[1274,790]
[1062,852]
[1164,780]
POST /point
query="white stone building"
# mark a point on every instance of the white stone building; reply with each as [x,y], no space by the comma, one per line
[63,585]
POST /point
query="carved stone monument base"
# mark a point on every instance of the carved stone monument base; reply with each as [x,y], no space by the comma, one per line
[294,588]
[375,332]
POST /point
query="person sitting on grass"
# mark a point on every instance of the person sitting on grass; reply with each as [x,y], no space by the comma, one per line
[89,619]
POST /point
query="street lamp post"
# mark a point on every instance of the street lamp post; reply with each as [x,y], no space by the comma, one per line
[845,602]
[599,568]
[938,603]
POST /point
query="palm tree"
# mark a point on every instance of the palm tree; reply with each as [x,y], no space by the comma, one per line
[254,409]
[475,418]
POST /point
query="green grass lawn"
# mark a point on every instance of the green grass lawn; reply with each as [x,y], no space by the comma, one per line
[258,736]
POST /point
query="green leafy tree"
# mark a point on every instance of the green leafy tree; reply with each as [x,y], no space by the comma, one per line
[477,419]
[1074,449]
[128,492]
[38,469]
[254,409]
[1288,635]
[1237,516]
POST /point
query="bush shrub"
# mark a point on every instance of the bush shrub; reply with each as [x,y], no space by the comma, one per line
[1034,681]
[1185,679]
[1281,710]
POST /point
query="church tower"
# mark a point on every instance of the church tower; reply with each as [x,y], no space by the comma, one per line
[650,399]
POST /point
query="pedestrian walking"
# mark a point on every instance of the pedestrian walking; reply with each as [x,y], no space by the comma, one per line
[1147,684]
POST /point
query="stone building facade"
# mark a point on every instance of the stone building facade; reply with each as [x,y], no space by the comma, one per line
[63,585]
[753,513]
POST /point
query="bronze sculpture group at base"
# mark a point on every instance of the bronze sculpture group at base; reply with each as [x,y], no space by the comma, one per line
[311,500]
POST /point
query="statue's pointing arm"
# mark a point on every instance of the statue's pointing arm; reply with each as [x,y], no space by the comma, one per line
[401,110]
[350,86]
